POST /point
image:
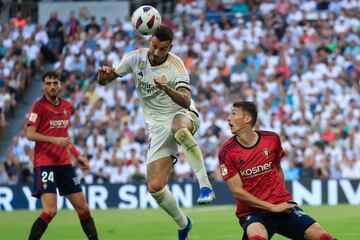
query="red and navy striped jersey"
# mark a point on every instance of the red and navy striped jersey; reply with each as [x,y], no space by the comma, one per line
[54,121]
[256,166]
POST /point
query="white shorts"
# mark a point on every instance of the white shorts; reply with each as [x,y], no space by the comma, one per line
[161,140]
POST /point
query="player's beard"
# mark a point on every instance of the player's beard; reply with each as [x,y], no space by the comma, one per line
[53,95]
[153,60]
[156,60]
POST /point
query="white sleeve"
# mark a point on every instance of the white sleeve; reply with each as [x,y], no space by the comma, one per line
[182,78]
[125,66]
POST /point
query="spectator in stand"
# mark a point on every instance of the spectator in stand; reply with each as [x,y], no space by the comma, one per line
[182,169]
[119,174]
[55,30]
[212,165]
[71,25]
[18,21]
[292,172]
[12,167]
[93,26]
[3,175]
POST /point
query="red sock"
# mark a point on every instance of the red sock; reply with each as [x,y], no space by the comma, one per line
[45,217]
[85,215]
[88,225]
[326,236]
[256,237]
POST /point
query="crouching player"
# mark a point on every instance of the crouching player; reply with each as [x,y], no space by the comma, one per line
[250,164]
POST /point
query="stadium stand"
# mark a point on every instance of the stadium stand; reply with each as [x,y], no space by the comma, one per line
[298,60]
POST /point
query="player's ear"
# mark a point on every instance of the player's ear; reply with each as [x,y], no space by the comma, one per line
[248,118]
[170,47]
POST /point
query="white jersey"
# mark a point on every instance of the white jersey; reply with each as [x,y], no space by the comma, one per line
[157,106]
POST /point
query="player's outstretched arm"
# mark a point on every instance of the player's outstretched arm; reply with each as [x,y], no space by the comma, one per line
[105,75]
[33,135]
[236,187]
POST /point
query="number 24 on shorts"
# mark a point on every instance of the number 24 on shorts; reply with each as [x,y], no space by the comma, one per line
[47,176]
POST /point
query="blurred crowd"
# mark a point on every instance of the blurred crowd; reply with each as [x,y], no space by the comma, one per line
[298,60]
[18,60]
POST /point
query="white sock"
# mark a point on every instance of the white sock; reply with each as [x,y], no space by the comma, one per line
[193,155]
[168,202]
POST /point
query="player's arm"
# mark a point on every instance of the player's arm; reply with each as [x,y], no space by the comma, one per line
[83,162]
[107,74]
[279,156]
[181,95]
[236,187]
[280,172]
[33,135]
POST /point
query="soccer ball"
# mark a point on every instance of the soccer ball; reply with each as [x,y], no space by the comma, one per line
[145,20]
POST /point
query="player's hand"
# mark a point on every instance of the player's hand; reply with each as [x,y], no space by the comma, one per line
[83,163]
[161,83]
[61,141]
[283,207]
[105,75]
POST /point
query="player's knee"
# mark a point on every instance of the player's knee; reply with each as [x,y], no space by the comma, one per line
[314,232]
[155,186]
[176,126]
[51,211]
[84,208]
[181,134]
[179,123]
[256,231]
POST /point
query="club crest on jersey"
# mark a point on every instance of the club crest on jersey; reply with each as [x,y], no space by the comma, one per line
[65,112]
[266,152]
[223,169]
[141,64]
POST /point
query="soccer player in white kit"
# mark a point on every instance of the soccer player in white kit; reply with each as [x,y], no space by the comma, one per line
[164,91]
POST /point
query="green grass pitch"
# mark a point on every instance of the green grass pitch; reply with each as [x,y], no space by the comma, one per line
[214,222]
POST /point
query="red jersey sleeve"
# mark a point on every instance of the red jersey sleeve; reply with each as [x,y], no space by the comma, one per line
[226,163]
[34,114]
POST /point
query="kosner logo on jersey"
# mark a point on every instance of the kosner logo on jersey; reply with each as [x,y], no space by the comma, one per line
[59,123]
[260,169]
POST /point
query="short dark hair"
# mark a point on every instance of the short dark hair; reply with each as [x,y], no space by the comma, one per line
[164,33]
[248,107]
[50,74]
